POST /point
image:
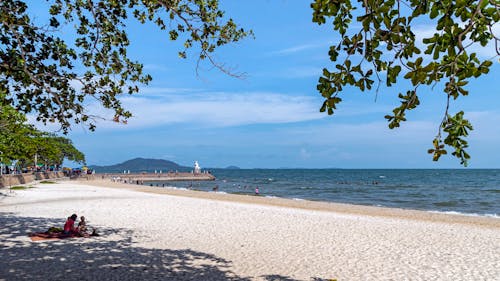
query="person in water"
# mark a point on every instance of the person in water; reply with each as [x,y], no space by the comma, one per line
[69,226]
[257,190]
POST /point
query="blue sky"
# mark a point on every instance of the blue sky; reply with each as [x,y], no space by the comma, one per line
[271,118]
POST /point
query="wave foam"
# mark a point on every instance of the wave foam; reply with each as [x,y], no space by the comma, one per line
[496,216]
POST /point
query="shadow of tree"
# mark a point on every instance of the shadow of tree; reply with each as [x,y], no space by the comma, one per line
[276,277]
[98,258]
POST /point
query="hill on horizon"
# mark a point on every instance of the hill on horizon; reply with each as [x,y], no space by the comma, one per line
[138,165]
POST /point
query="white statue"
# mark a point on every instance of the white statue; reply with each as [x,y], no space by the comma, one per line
[197,168]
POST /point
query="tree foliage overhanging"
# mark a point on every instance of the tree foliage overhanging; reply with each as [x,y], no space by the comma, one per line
[379,45]
[378,42]
[38,69]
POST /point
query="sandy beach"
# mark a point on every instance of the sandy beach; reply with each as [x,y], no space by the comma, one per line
[150,233]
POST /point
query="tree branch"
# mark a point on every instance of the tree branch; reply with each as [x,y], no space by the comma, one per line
[469,26]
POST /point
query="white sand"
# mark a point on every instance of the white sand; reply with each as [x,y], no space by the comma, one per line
[165,237]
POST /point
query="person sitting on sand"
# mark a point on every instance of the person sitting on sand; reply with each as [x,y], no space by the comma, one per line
[82,225]
[69,226]
[82,228]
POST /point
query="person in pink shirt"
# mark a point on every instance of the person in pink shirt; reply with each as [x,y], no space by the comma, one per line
[69,226]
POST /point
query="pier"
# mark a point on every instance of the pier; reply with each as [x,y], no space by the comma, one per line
[171,176]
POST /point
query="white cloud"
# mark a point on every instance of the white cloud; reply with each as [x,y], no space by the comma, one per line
[294,49]
[215,109]
[156,107]
[300,48]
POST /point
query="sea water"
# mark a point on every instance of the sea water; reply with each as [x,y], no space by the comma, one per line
[468,191]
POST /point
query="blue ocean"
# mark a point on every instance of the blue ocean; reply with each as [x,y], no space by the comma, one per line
[468,191]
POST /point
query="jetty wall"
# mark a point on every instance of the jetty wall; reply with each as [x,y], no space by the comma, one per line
[17,179]
[133,177]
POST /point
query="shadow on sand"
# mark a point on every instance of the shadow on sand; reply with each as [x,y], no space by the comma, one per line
[98,258]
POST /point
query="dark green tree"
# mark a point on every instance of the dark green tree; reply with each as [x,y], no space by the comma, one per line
[55,149]
[38,69]
[378,45]
[13,133]
[23,142]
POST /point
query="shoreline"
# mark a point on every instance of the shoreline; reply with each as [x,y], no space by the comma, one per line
[324,206]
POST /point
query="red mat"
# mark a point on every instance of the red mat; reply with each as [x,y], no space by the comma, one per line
[39,236]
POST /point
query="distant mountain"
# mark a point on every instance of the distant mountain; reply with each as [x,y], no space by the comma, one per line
[142,165]
[232,168]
